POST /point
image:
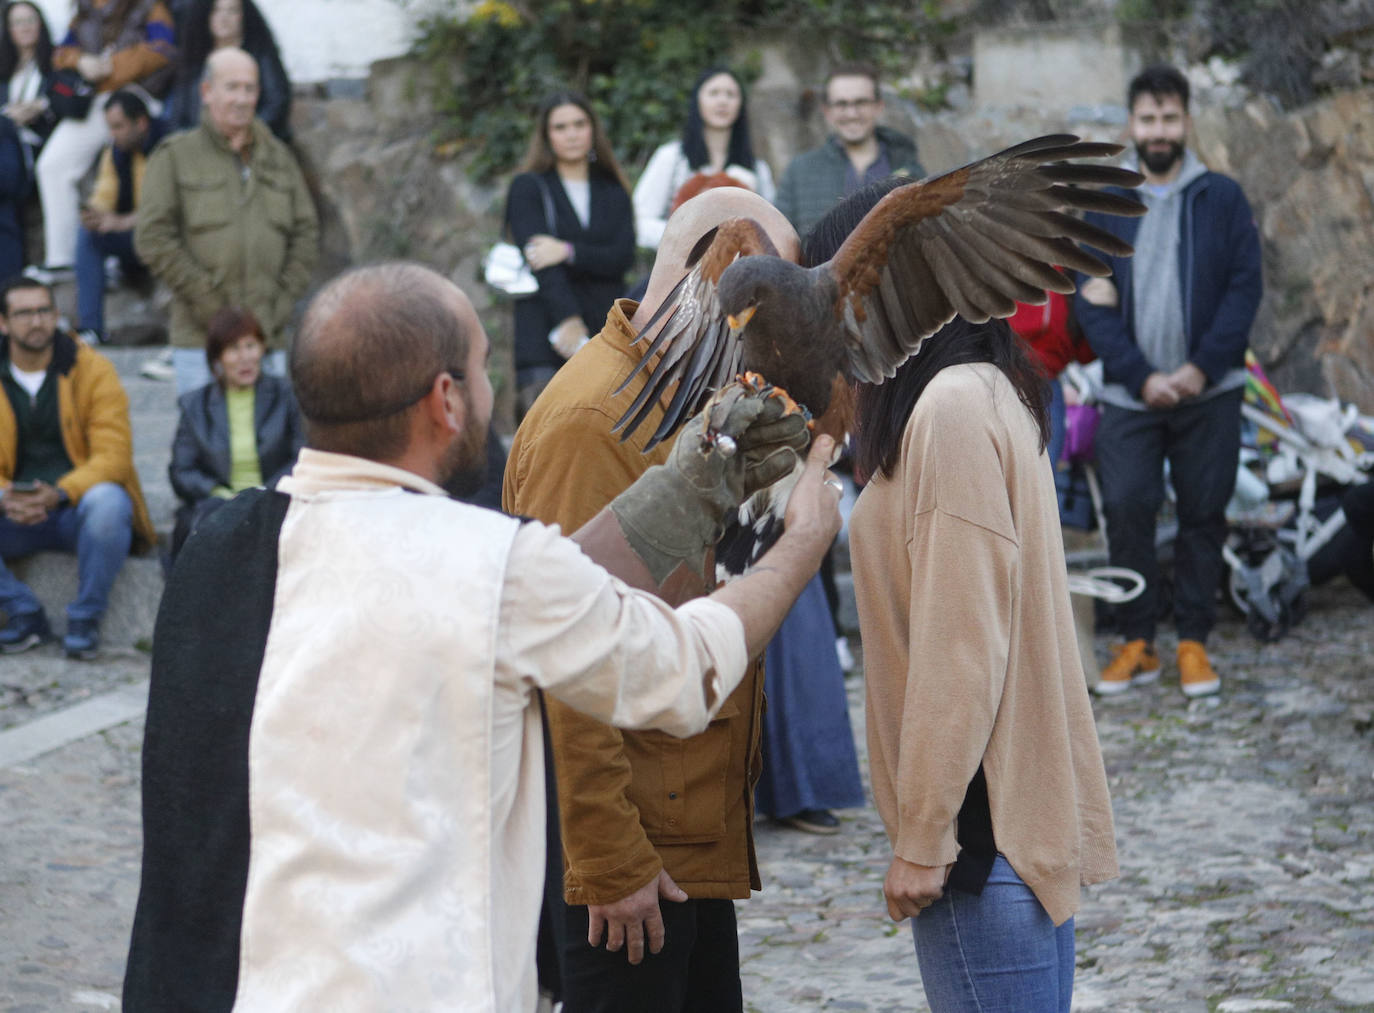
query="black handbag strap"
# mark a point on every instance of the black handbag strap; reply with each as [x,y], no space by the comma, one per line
[547,198]
[548,204]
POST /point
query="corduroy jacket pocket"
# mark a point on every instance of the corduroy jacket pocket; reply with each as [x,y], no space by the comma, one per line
[679,784]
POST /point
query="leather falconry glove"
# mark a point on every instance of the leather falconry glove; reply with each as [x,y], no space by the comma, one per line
[744,440]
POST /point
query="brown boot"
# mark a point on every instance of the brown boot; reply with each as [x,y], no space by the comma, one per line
[1195,672]
[1133,663]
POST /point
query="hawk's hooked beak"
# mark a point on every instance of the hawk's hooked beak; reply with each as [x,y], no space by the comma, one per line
[738,323]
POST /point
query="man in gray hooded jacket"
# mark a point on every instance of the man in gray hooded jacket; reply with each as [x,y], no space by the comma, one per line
[1171,327]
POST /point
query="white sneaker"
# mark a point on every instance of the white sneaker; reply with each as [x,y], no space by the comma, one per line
[844,654]
[45,275]
[160,367]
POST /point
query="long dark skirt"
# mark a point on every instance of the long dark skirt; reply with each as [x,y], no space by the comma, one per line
[809,760]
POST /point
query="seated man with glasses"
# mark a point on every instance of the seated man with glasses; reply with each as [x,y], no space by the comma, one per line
[858,151]
[67,479]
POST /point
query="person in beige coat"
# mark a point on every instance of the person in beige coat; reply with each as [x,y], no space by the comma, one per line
[226,219]
[985,763]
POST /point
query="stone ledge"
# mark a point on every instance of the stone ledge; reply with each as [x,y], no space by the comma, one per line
[133,600]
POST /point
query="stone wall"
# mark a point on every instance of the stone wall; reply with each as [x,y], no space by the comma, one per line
[385,192]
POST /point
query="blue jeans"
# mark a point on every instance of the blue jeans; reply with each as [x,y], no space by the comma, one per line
[91,250]
[193,372]
[99,529]
[997,952]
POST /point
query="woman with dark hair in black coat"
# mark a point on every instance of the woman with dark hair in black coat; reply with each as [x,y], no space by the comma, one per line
[569,211]
[208,25]
[25,70]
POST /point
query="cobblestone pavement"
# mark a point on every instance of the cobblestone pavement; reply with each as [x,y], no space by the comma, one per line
[1245,827]
[1244,822]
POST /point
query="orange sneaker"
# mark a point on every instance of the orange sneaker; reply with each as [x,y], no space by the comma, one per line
[1195,672]
[1133,663]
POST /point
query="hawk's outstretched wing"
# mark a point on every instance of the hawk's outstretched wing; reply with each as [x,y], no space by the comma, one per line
[974,242]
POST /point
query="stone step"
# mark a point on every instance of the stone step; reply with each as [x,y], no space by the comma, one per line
[128,621]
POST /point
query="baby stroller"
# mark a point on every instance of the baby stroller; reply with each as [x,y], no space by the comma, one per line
[1285,528]
[1286,524]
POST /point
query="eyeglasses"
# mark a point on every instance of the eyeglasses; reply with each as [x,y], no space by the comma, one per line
[32,314]
[852,105]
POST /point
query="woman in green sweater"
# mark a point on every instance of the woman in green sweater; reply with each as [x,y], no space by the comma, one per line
[239,431]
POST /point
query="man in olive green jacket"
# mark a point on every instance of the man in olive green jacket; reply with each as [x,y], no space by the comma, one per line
[226,219]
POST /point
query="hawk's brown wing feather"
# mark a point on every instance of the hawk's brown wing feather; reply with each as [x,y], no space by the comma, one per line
[974,242]
[698,353]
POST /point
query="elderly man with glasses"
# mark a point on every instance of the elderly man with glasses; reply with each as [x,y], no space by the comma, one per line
[858,151]
[67,479]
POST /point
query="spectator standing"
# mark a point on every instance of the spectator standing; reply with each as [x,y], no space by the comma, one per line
[66,465]
[111,43]
[569,211]
[858,150]
[208,25]
[14,190]
[657,831]
[354,659]
[715,139]
[1050,331]
[240,431]
[226,219]
[1171,327]
[26,52]
[111,211]
[810,765]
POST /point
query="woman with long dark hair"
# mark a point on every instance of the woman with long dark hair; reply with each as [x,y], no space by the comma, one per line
[984,757]
[715,139]
[569,210]
[25,70]
[211,24]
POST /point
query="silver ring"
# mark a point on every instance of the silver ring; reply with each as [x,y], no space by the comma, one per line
[835,484]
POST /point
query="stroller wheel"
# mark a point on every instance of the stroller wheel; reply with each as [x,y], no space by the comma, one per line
[1268,587]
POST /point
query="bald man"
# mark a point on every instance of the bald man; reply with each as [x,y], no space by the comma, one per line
[657,831]
[343,780]
[226,219]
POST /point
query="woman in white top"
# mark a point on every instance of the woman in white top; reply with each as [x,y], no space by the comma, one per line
[715,139]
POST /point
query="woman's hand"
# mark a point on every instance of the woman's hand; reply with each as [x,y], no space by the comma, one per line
[569,336]
[911,888]
[24,113]
[545,251]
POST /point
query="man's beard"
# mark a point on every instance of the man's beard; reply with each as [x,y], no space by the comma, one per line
[463,469]
[1159,162]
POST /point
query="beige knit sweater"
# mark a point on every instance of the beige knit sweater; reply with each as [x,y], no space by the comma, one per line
[969,649]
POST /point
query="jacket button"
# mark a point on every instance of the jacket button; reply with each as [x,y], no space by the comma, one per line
[672,794]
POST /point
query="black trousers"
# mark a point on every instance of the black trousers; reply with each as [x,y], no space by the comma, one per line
[1201,442]
[697,971]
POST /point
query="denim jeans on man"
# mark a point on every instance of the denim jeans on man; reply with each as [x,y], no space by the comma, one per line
[994,952]
[99,529]
[91,250]
[1201,441]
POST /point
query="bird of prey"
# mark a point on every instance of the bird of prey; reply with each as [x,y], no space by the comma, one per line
[971,242]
